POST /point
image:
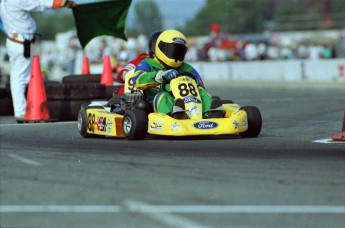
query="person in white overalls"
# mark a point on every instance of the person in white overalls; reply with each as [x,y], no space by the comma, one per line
[20,28]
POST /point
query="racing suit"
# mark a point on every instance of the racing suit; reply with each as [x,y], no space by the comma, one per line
[130,66]
[162,101]
[20,28]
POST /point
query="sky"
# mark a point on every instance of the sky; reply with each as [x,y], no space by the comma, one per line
[174,12]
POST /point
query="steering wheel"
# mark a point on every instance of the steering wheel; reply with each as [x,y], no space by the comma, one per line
[185,73]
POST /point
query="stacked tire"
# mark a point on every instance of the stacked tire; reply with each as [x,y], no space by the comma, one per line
[66,98]
[6,107]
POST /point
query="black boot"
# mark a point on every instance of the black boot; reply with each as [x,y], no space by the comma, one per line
[179,111]
[217,110]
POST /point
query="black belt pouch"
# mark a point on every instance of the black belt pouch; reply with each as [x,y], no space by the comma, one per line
[27,45]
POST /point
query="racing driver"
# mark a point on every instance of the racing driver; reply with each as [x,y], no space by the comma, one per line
[168,62]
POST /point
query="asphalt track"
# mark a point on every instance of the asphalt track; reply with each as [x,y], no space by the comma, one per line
[52,177]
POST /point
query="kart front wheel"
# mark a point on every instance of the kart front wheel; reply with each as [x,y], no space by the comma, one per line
[254,121]
[134,124]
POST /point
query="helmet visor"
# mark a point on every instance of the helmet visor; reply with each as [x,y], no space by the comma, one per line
[173,50]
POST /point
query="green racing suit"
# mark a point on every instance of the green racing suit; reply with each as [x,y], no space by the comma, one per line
[163,101]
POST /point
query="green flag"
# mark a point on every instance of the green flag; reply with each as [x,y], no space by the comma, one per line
[101,18]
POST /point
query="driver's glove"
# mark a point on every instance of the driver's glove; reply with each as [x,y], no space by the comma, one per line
[167,75]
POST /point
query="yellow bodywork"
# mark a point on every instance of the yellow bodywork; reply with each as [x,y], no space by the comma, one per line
[103,122]
[235,122]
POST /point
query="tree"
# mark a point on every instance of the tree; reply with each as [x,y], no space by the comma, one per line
[147,18]
[293,16]
[51,22]
[234,16]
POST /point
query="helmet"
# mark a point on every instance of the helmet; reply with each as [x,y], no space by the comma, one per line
[152,42]
[171,48]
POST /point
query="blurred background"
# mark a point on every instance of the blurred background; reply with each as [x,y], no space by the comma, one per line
[217,31]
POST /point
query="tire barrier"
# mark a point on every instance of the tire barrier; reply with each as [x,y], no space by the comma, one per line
[65,98]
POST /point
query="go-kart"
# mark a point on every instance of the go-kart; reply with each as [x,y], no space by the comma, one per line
[137,120]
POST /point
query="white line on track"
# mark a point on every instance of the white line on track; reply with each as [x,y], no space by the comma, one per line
[160,215]
[60,209]
[137,207]
[24,160]
[36,124]
[327,141]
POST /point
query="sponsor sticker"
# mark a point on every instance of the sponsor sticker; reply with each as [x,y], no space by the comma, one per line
[244,123]
[156,125]
[175,127]
[194,110]
[236,124]
[109,126]
[101,123]
[205,125]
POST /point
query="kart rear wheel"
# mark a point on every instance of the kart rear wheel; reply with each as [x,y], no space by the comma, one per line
[134,124]
[254,121]
[82,123]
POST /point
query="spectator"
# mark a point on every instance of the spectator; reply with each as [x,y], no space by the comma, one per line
[142,42]
[73,47]
[251,52]
[314,51]
[20,28]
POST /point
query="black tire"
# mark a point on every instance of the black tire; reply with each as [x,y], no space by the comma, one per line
[46,82]
[3,93]
[62,110]
[65,110]
[254,122]
[6,107]
[82,123]
[90,78]
[227,102]
[7,90]
[87,91]
[110,90]
[134,124]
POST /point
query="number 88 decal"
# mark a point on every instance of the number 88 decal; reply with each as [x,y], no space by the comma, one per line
[186,89]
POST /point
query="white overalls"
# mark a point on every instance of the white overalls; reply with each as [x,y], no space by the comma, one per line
[19,25]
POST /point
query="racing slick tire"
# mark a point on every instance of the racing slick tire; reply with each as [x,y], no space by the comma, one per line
[134,124]
[254,122]
[83,121]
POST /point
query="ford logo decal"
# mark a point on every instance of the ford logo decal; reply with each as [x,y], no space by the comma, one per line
[179,40]
[205,125]
[189,99]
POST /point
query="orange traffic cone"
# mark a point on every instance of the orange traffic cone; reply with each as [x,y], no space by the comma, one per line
[340,136]
[86,66]
[107,74]
[36,103]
